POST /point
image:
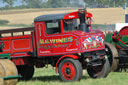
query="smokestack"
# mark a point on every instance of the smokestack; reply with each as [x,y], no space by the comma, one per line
[83,26]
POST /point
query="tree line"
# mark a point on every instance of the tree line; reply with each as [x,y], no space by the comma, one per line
[109,3]
[63,3]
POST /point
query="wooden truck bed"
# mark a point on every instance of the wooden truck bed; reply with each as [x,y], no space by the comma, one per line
[17,45]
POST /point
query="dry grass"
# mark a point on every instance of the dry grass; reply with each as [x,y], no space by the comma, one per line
[7,27]
[107,15]
[100,15]
[27,18]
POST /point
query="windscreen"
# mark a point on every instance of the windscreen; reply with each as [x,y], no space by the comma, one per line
[73,24]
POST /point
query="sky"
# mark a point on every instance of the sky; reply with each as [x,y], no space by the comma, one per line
[1,4]
[17,3]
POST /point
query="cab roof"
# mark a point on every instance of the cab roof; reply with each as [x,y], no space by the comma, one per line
[50,17]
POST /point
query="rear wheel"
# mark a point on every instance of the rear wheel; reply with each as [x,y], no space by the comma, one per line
[100,71]
[112,52]
[70,70]
[26,72]
[8,68]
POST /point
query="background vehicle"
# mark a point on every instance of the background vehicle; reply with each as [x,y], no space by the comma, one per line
[63,40]
[117,47]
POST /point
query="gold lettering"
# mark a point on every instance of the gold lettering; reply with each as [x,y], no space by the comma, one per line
[47,41]
[53,41]
[41,41]
[70,39]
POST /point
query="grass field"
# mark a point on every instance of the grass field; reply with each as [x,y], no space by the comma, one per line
[49,77]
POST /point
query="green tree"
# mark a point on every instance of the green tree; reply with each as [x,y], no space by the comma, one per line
[110,3]
[9,2]
[33,3]
[23,2]
[76,3]
[57,3]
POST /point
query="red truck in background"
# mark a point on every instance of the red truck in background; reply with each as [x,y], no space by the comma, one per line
[66,41]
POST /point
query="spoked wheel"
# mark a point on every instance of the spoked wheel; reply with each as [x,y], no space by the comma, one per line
[8,68]
[70,70]
[100,71]
[26,72]
[112,52]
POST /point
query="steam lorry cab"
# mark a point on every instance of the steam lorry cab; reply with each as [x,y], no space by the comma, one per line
[66,41]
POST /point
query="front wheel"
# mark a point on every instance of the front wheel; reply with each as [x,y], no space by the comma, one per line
[70,70]
[100,71]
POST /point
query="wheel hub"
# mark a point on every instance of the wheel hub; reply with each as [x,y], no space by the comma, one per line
[68,71]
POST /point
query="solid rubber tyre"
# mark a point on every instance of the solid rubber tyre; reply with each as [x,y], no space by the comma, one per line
[70,70]
[9,69]
[26,72]
[112,52]
[99,71]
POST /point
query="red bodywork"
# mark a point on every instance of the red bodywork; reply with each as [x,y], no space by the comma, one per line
[17,45]
[18,48]
[44,44]
[124,31]
[67,42]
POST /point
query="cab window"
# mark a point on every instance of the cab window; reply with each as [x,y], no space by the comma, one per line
[70,25]
[73,24]
[53,27]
